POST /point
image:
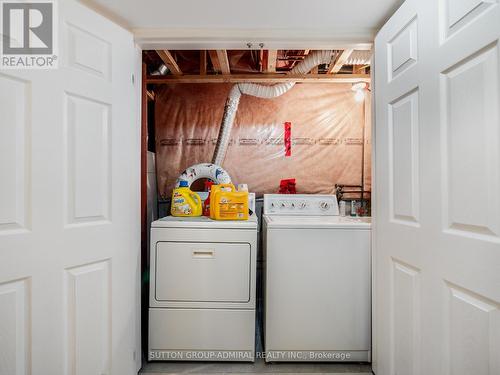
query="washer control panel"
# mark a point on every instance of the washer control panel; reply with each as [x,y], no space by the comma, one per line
[300,204]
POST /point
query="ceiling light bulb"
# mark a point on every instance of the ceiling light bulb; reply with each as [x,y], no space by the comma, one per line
[359,96]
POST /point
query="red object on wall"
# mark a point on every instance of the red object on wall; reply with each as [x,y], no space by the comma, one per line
[287,186]
[288,139]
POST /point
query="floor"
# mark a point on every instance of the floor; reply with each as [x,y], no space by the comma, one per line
[259,367]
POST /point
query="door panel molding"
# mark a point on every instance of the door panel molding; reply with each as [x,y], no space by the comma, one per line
[437,168]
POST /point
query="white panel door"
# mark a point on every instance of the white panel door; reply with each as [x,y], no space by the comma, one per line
[437,213]
[69,205]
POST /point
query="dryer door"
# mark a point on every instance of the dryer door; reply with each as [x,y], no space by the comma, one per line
[202,272]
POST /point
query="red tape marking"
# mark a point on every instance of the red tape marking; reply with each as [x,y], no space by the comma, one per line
[288,139]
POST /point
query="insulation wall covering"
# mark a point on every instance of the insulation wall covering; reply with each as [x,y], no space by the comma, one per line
[327,133]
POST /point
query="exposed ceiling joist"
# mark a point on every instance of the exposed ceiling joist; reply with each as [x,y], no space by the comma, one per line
[306,52]
[203,62]
[360,69]
[215,60]
[169,61]
[150,94]
[260,78]
[335,68]
[272,56]
[220,61]
[223,61]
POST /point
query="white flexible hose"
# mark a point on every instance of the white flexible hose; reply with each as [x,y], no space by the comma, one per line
[261,91]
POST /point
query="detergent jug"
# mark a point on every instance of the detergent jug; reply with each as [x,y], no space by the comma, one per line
[185,202]
[228,204]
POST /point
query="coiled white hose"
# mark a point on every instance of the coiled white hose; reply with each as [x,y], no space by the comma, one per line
[261,91]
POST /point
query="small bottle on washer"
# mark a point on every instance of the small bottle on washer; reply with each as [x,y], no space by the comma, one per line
[342,208]
[354,211]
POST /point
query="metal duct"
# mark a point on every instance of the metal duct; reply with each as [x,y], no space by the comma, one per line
[161,71]
[261,91]
[359,57]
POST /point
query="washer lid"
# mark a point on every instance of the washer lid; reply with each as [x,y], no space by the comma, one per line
[323,222]
[204,222]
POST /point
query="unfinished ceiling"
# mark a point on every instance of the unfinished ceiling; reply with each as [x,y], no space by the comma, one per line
[263,65]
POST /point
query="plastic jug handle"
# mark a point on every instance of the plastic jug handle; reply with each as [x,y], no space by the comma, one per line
[197,198]
[231,186]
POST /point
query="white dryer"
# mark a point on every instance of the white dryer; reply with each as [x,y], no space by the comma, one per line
[202,289]
[317,281]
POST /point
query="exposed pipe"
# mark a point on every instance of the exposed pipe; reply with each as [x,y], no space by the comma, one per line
[261,91]
[161,71]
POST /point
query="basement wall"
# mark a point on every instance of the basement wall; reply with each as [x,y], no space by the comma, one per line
[327,133]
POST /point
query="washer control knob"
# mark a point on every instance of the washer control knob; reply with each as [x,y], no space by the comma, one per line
[324,205]
[292,205]
[302,205]
[283,205]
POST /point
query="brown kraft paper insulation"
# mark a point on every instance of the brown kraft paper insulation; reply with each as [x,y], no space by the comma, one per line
[327,133]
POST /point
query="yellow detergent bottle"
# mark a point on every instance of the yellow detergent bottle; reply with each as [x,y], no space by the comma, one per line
[228,204]
[185,202]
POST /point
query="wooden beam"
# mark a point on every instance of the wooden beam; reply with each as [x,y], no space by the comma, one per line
[272,56]
[340,61]
[260,78]
[223,61]
[360,69]
[220,61]
[332,62]
[203,62]
[215,60]
[169,61]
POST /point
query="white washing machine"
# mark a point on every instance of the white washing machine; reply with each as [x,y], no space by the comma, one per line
[317,281]
[202,289]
